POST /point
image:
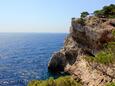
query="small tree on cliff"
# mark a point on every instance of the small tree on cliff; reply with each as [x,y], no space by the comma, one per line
[82,19]
[84,14]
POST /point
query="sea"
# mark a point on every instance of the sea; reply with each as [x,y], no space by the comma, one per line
[25,56]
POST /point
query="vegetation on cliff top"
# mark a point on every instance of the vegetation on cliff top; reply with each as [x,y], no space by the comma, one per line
[62,81]
[105,12]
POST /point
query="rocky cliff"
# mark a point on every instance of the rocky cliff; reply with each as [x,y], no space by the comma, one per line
[86,39]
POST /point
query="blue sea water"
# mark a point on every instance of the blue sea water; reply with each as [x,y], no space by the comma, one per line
[24,56]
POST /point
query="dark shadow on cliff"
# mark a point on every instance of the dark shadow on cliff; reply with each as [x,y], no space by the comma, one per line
[56,75]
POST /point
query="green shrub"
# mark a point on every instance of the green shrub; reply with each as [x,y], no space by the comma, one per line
[98,13]
[84,14]
[106,11]
[110,84]
[113,32]
[61,81]
[106,56]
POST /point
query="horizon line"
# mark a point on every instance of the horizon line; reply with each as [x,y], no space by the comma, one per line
[37,32]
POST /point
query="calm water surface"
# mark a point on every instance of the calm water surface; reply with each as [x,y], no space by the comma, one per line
[24,56]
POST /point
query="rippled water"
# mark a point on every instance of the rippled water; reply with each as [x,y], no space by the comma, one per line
[24,56]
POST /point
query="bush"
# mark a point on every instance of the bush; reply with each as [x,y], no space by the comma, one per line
[106,11]
[111,84]
[98,13]
[106,56]
[113,32]
[62,81]
[84,14]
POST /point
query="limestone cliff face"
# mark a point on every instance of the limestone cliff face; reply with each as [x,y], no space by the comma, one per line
[85,40]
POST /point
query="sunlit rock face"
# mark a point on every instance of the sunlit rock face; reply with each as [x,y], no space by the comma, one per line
[84,40]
